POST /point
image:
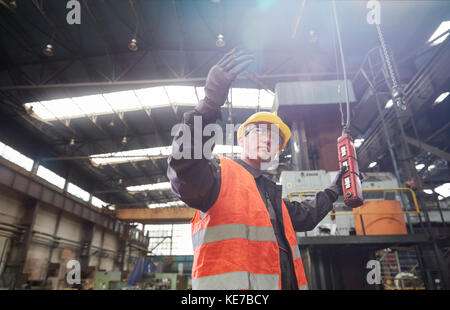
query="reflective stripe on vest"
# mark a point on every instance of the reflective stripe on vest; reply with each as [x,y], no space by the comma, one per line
[296,252]
[238,280]
[233,231]
[304,287]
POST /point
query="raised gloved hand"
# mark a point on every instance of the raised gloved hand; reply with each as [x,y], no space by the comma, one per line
[220,78]
[335,189]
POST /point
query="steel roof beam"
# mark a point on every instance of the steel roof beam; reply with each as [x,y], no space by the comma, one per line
[150,82]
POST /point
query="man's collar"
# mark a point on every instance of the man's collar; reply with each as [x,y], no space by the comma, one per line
[255,173]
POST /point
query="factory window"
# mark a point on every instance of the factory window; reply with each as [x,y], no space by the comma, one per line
[170,239]
[78,192]
[50,177]
[15,157]
[96,202]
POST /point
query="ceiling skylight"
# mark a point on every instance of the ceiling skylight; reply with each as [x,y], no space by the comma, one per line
[443,190]
[92,105]
[182,94]
[150,187]
[166,204]
[123,101]
[441,98]
[359,142]
[129,156]
[251,98]
[151,153]
[443,27]
[153,97]
[420,166]
[132,100]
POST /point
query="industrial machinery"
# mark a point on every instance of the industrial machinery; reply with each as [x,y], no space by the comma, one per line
[377,186]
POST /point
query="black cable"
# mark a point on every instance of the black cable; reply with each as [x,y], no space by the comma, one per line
[347,125]
[337,75]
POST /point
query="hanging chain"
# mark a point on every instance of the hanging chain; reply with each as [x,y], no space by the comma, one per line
[396,91]
[387,57]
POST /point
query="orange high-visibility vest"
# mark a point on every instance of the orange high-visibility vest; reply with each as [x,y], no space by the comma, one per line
[235,246]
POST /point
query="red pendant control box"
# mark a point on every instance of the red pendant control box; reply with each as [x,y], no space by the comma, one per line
[351,182]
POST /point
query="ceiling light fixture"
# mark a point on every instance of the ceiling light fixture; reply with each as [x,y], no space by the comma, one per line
[48,50]
[312,37]
[372,164]
[441,98]
[124,140]
[133,45]
[220,41]
[389,104]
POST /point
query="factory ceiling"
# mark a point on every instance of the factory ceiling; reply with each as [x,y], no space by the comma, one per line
[176,43]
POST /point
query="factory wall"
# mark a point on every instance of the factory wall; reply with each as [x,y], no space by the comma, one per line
[11,211]
[45,249]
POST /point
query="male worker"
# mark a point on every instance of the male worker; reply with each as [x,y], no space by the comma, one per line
[243,231]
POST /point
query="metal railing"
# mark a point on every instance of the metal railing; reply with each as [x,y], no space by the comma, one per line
[413,195]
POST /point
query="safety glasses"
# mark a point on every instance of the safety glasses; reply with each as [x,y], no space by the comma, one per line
[262,130]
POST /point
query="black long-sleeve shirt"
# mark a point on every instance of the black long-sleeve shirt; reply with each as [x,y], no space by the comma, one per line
[197,183]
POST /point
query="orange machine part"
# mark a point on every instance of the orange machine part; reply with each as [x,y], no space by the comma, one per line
[391,222]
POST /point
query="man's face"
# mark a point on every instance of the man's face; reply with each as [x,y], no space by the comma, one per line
[261,141]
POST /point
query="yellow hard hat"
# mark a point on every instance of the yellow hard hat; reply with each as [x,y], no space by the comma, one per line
[271,118]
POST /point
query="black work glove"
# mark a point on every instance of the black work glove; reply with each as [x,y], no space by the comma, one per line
[220,78]
[335,189]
